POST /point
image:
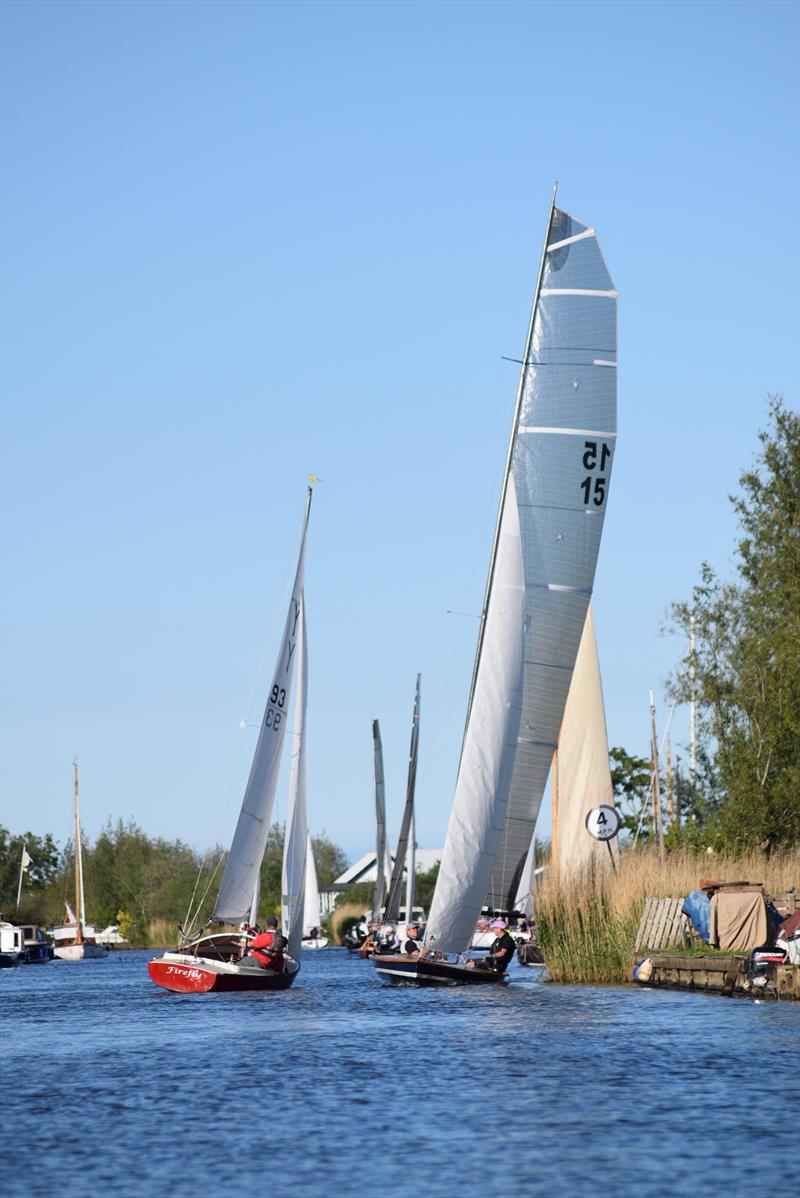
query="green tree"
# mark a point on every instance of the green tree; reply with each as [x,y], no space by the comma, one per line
[41,873]
[745,667]
[630,778]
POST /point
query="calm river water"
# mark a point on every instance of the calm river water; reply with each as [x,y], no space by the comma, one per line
[343,1086]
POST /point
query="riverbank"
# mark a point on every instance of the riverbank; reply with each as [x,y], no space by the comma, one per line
[587,923]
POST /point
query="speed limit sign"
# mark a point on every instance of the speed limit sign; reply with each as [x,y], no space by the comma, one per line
[603,823]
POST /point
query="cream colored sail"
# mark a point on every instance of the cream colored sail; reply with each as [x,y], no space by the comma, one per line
[584,777]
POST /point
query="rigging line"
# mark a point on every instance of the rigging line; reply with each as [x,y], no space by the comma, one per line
[194,892]
[208,887]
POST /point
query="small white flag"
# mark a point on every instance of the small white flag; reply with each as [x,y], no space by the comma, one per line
[26,859]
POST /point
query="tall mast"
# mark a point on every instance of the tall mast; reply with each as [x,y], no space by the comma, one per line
[509,457]
[658,817]
[78,862]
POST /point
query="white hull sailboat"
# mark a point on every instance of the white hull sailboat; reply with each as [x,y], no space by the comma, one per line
[541,573]
[74,940]
[220,962]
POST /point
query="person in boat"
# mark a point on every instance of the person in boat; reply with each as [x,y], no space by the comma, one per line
[388,940]
[412,945]
[502,948]
[268,946]
[501,951]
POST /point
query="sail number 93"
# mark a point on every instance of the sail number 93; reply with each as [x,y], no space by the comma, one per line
[596,455]
[274,714]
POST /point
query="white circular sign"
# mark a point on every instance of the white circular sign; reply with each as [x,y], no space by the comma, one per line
[603,823]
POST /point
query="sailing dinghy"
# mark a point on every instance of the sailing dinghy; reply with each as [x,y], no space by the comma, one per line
[220,962]
[541,573]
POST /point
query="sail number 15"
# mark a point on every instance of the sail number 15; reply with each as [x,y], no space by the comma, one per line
[596,455]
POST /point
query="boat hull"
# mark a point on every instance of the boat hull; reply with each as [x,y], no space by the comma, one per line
[423,971]
[199,975]
[319,942]
[79,952]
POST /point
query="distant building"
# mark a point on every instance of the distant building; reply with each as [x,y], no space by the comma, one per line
[366,870]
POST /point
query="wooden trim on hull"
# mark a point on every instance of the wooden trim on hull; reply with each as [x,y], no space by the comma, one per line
[197,975]
[422,971]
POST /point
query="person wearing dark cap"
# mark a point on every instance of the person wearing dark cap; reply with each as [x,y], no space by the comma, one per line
[267,947]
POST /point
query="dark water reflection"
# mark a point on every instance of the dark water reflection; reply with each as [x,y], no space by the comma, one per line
[343,1086]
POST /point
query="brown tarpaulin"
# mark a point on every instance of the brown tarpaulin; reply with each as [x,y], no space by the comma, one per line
[738,920]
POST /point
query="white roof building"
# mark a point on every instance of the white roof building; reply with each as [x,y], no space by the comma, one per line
[366,870]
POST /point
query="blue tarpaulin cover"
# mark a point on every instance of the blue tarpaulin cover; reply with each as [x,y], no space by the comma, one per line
[698,908]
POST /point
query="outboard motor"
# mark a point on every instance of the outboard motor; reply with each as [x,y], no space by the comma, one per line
[760,967]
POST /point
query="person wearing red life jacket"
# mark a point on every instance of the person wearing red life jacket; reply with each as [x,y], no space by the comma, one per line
[267,947]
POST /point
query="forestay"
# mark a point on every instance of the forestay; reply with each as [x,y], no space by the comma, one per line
[250,838]
[562,452]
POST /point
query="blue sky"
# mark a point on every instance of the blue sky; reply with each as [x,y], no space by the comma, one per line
[246,242]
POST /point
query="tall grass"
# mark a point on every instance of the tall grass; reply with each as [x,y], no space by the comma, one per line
[588,920]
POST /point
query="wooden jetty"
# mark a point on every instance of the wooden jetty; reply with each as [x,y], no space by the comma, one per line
[716,974]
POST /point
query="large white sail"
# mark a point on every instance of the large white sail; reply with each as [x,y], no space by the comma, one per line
[562,452]
[312,913]
[478,816]
[584,777]
[250,838]
[293,879]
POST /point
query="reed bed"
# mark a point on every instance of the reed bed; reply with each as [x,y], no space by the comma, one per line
[587,921]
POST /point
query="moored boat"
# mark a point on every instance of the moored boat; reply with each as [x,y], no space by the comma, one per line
[12,945]
[74,940]
[38,947]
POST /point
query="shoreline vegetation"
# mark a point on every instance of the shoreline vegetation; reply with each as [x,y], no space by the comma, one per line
[587,922]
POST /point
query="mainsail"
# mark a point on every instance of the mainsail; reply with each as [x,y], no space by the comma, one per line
[563,447]
[396,885]
[293,877]
[250,838]
[380,821]
[584,777]
[552,506]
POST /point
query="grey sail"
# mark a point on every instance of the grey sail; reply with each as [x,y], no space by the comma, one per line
[380,821]
[396,885]
[563,450]
[250,838]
